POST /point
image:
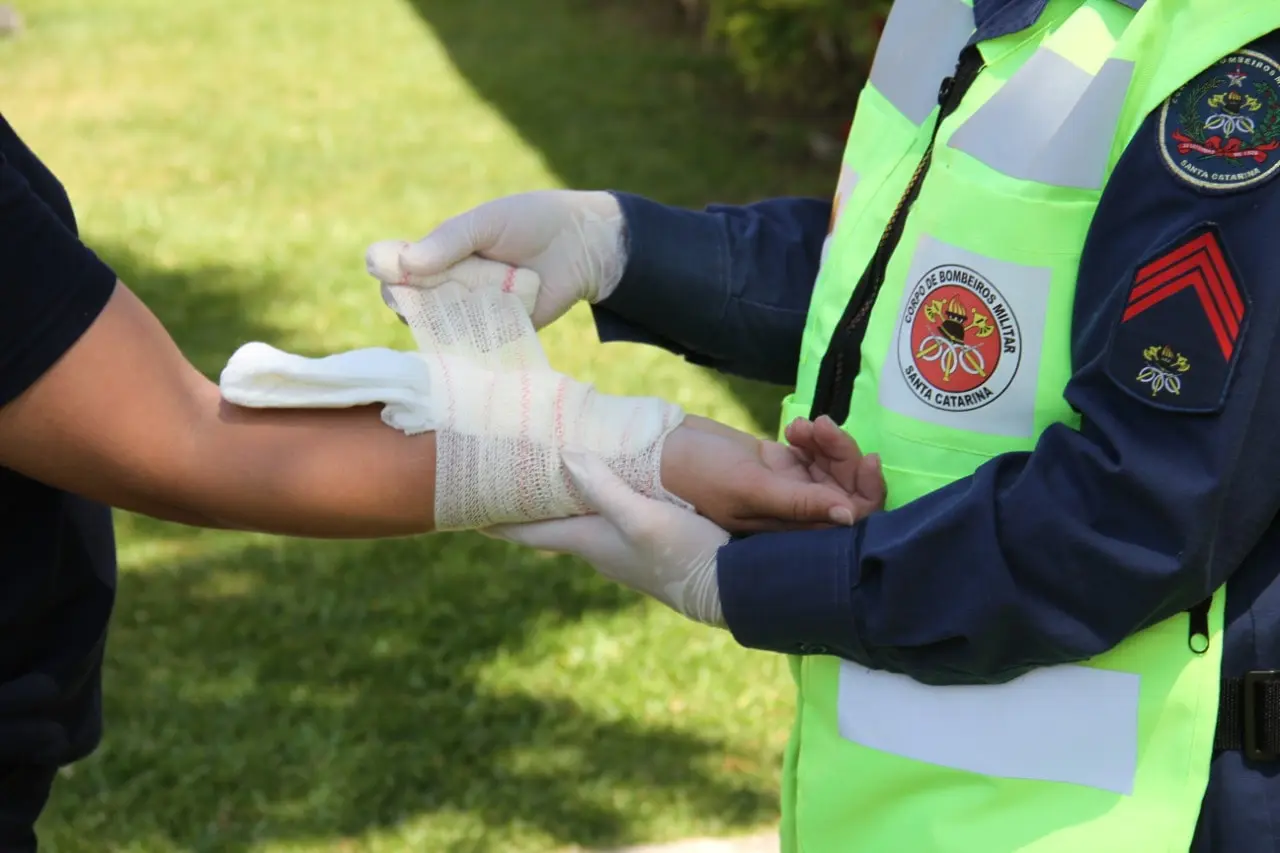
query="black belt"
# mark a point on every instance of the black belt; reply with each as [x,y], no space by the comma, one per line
[1249,715]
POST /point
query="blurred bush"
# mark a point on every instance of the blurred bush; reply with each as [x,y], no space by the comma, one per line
[810,54]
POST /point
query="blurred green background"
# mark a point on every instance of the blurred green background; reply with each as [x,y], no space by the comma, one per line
[232,159]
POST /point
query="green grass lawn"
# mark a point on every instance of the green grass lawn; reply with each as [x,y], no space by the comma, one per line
[232,159]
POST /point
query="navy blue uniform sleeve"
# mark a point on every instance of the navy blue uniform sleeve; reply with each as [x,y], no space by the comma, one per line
[1059,554]
[727,287]
[53,286]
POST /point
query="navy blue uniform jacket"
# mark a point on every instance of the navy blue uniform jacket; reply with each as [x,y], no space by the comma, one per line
[1084,541]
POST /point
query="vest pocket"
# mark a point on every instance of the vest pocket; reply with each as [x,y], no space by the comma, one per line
[908,484]
[793,406]
[970,352]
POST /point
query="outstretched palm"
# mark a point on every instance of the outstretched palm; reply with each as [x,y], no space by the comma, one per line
[821,478]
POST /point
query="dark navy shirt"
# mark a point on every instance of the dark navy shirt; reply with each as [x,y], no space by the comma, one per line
[57,551]
[1094,535]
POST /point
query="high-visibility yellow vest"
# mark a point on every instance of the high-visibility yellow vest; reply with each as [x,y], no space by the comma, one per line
[968,209]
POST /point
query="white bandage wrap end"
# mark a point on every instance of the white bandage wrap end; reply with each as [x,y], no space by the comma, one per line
[501,415]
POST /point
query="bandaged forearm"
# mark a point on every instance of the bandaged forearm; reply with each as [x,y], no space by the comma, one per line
[499,437]
[481,382]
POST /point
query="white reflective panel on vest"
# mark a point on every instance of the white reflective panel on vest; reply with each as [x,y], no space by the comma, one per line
[1073,724]
[919,47]
[1052,122]
[966,349]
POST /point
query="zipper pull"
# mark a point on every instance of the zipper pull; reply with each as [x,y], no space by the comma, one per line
[968,66]
[948,83]
[1198,626]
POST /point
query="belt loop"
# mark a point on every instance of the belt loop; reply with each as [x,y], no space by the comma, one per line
[1254,713]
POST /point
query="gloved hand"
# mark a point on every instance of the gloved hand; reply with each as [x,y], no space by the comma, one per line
[667,552]
[661,550]
[572,239]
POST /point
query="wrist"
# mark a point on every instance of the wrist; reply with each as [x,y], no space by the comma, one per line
[714,427]
[631,435]
[702,601]
[676,468]
[605,235]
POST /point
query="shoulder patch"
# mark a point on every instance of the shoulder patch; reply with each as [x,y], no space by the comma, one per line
[1183,322]
[1221,131]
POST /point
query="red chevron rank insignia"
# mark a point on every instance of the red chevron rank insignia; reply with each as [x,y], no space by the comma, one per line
[1183,322]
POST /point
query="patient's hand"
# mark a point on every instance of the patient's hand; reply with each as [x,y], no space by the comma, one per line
[748,485]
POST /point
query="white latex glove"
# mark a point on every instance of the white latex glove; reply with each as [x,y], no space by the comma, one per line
[663,551]
[572,239]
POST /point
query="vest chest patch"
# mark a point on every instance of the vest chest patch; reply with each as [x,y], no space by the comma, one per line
[966,348]
[1221,131]
[1176,343]
[960,345]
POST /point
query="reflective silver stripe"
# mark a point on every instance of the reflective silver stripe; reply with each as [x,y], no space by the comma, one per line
[1052,122]
[845,186]
[918,48]
[847,183]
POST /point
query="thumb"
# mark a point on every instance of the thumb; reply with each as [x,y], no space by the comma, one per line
[559,534]
[454,239]
[382,260]
[593,538]
[814,503]
[604,491]
[477,273]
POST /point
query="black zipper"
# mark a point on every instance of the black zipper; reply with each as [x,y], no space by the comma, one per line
[840,364]
[1198,626]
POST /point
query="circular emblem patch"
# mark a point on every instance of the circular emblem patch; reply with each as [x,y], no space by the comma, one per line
[959,343]
[1221,131]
